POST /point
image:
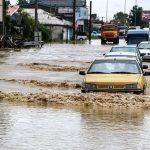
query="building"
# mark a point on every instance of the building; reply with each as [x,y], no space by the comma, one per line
[59,29]
[64,9]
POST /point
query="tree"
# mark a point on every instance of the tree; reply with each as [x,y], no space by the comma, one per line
[135,17]
[20,2]
[121,18]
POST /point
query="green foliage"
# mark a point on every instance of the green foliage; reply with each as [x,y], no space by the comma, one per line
[45,33]
[121,18]
[135,17]
[28,25]
[20,2]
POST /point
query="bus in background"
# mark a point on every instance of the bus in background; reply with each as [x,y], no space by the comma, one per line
[137,36]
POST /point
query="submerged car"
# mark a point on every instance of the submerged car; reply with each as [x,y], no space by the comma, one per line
[115,75]
[144,48]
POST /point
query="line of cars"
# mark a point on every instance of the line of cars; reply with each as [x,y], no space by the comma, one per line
[120,70]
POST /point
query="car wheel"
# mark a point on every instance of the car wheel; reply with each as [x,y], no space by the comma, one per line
[139,92]
[116,41]
[81,39]
[83,91]
[102,41]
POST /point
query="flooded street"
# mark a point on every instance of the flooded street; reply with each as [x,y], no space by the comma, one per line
[41,105]
[42,127]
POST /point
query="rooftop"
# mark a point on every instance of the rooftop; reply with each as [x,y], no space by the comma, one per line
[47,18]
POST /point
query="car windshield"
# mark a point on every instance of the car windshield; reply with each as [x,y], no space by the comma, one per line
[144,46]
[109,28]
[114,67]
[123,49]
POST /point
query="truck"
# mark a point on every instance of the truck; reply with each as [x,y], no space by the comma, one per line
[137,36]
[109,33]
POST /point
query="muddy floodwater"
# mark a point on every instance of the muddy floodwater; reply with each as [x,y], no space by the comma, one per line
[41,106]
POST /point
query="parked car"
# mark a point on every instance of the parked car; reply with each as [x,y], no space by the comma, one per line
[122,30]
[81,36]
[113,75]
[144,48]
[96,34]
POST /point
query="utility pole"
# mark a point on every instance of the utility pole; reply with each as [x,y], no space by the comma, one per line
[3,15]
[36,16]
[135,13]
[102,20]
[90,22]
[107,11]
[125,12]
[36,33]
[74,20]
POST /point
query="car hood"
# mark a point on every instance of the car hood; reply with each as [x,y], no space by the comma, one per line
[112,78]
[144,50]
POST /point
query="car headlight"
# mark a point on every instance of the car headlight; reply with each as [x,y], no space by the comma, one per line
[89,86]
[132,86]
[138,86]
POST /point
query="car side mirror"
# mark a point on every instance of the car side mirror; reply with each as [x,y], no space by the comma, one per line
[82,73]
[145,67]
[146,73]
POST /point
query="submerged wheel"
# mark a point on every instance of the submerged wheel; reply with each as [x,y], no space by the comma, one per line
[103,41]
[116,41]
[83,91]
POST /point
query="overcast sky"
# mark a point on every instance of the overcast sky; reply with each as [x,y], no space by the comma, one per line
[114,6]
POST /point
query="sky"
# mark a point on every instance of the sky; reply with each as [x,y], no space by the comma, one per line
[114,6]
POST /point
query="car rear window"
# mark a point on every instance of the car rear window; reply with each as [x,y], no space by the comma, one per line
[123,49]
[144,46]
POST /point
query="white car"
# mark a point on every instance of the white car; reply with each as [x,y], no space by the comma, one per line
[81,36]
[144,48]
[124,54]
[96,34]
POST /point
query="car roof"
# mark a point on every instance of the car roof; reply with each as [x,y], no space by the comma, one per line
[145,42]
[137,31]
[124,46]
[118,58]
[120,54]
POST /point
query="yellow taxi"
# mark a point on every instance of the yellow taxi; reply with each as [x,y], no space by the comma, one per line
[115,75]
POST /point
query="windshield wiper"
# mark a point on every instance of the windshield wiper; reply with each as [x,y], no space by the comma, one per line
[123,72]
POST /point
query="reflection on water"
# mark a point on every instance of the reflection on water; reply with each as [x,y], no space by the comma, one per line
[60,128]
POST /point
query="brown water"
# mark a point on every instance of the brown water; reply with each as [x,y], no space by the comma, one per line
[24,127]
[45,126]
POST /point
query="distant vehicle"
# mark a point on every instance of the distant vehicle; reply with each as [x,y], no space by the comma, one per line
[144,48]
[137,36]
[109,33]
[96,34]
[81,36]
[115,75]
[125,54]
[127,48]
[123,30]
